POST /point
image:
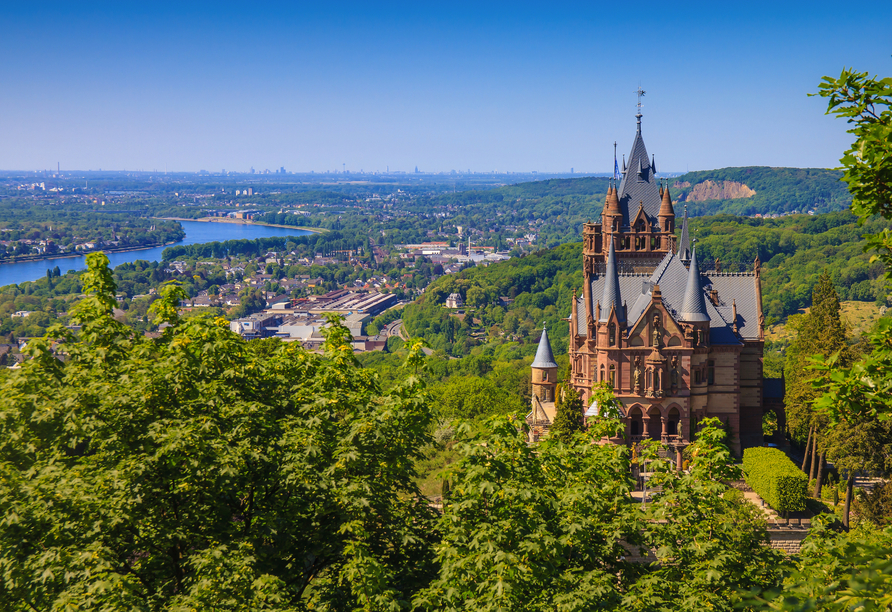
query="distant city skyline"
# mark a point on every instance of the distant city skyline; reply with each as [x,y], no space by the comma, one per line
[480,87]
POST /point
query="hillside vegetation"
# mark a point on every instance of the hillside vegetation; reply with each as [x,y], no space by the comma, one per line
[761,190]
[794,250]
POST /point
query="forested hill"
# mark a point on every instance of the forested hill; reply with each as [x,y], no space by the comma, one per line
[565,204]
[760,189]
[794,250]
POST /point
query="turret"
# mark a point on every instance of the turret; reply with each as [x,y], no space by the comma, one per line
[693,308]
[613,215]
[611,299]
[666,218]
[544,370]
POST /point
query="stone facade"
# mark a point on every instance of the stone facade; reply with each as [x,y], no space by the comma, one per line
[678,344]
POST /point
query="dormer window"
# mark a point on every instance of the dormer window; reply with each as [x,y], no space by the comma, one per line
[611,335]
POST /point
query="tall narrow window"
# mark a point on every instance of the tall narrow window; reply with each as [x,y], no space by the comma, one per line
[545,376]
[611,334]
[613,376]
[602,374]
[657,380]
[710,372]
[697,376]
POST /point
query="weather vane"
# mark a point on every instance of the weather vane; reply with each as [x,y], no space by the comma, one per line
[641,93]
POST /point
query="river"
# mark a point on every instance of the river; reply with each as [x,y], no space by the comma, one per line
[196,233]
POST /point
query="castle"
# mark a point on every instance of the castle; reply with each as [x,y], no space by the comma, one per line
[678,342]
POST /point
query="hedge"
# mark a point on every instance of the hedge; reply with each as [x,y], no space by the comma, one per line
[775,478]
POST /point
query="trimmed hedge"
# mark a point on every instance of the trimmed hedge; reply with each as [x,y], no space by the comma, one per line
[775,478]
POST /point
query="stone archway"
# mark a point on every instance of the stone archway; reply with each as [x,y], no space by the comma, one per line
[673,420]
[655,423]
[636,425]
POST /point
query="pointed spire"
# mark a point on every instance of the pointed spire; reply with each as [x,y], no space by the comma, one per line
[666,209]
[693,309]
[653,163]
[544,356]
[611,295]
[612,204]
[684,243]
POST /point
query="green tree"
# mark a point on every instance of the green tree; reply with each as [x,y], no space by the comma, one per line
[199,471]
[837,572]
[819,332]
[568,416]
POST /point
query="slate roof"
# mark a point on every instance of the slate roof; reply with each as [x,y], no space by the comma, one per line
[672,276]
[639,184]
[544,356]
[693,309]
[611,295]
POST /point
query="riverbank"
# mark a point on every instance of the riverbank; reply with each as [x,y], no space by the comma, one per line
[314,230]
[14,273]
[26,258]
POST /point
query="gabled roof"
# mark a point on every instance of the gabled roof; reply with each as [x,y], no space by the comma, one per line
[544,356]
[639,185]
[611,295]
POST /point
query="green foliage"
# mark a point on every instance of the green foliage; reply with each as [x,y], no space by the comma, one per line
[63,226]
[818,334]
[778,190]
[469,397]
[864,389]
[710,455]
[198,471]
[568,416]
[876,505]
[837,572]
[775,478]
[795,250]
[527,529]
[551,527]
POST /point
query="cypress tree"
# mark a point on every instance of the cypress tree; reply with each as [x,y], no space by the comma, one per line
[568,417]
[819,332]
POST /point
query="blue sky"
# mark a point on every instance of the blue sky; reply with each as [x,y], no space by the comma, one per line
[442,86]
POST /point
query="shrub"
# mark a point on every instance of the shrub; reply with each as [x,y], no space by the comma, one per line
[775,478]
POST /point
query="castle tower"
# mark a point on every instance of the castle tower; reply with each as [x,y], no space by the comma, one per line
[677,342]
[666,219]
[544,371]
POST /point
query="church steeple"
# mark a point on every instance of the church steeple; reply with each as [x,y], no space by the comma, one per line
[611,296]
[693,308]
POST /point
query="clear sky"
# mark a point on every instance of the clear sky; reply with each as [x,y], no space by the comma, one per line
[460,85]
